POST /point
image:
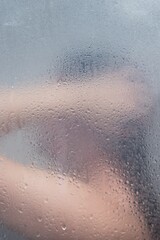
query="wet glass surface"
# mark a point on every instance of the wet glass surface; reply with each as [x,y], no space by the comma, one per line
[79,84]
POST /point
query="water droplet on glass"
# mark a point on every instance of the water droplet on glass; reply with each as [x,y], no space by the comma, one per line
[20,211]
[38,235]
[63,227]
[39,219]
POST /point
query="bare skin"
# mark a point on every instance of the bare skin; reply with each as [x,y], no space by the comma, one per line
[48,206]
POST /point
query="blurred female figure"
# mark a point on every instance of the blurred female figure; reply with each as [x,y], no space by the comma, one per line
[105,112]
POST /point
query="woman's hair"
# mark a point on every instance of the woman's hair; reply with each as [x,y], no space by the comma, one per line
[134,162]
[128,150]
[75,66]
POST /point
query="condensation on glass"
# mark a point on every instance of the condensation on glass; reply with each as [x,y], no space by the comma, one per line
[79,119]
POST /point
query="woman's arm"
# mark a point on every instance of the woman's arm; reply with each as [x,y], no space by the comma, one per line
[46,206]
[102,103]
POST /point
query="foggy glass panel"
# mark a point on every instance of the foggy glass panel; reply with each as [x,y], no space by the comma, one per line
[79,123]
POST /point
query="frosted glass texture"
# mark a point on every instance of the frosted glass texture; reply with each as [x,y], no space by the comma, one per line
[79,119]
